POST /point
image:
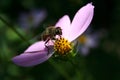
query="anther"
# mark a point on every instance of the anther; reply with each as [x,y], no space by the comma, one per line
[62,46]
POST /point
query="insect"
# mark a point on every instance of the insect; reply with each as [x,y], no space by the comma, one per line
[50,34]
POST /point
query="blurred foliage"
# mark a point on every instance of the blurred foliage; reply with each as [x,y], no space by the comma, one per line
[102,63]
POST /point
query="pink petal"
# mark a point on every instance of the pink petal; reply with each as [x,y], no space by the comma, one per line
[81,21]
[38,46]
[28,59]
[64,23]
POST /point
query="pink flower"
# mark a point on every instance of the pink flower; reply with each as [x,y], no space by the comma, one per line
[38,53]
[33,18]
[88,41]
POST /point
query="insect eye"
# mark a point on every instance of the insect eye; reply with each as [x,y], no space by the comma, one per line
[58,31]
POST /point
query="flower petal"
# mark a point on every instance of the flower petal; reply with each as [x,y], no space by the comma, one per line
[92,40]
[38,16]
[81,21]
[28,59]
[84,50]
[38,46]
[64,23]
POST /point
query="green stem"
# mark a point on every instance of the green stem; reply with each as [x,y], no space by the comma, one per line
[11,27]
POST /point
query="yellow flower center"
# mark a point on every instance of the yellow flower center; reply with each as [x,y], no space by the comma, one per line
[82,39]
[62,46]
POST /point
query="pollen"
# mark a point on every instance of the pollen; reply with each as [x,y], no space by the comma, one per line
[62,46]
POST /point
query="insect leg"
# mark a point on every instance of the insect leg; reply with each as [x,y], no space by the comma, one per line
[46,44]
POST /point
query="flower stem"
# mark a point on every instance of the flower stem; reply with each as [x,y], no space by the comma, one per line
[12,28]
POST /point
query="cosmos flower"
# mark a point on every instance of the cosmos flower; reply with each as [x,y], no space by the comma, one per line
[87,41]
[38,53]
[32,19]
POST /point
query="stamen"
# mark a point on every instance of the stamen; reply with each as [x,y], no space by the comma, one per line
[62,46]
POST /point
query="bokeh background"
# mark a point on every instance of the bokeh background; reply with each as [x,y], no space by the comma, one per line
[22,21]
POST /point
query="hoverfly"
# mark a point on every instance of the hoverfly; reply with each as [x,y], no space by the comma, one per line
[50,34]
